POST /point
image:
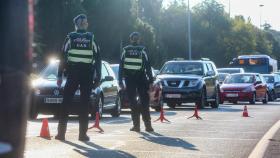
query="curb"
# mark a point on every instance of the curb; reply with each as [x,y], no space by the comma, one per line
[263,144]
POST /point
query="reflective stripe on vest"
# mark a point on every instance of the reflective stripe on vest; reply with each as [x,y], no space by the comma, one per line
[132,67]
[81,56]
[133,60]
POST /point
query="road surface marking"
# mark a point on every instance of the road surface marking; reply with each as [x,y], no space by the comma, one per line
[262,145]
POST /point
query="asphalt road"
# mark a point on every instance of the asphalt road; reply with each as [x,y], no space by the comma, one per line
[222,133]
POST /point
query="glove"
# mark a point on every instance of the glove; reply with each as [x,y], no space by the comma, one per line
[59,82]
[95,84]
[122,86]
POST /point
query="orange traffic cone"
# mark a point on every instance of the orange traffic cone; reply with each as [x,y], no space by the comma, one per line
[245,112]
[45,133]
[96,125]
[196,114]
[161,117]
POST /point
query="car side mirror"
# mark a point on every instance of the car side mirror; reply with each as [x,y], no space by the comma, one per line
[108,78]
[210,73]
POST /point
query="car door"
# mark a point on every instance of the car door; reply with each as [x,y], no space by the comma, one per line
[260,87]
[113,85]
[108,86]
[210,81]
[277,85]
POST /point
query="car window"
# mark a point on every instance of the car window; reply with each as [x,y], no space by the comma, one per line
[277,79]
[258,79]
[182,68]
[50,71]
[269,79]
[239,79]
[104,71]
[210,67]
[110,71]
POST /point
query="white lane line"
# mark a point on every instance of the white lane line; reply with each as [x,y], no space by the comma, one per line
[262,145]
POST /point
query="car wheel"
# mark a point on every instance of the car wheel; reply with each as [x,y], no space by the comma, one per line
[117,110]
[235,102]
[272,96]
[171,105]
[265,100]
[100,108]
[215,104]
[201,104]
[253,100]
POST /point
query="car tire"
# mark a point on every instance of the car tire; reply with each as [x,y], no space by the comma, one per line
[272,96]
[100,103]
[234,102]
[202,103]
[117,110]
[265,100]
[171,105]
[253,100]
[215,104]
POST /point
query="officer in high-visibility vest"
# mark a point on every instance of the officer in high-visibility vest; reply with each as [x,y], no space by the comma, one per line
[136,71]
[82,64]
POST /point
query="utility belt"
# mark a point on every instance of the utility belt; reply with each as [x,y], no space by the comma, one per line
[79,67]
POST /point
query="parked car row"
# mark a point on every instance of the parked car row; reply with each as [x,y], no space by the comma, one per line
[178,81]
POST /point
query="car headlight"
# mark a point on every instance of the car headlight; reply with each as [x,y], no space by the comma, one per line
[193,83]
[247,89]
[221,90]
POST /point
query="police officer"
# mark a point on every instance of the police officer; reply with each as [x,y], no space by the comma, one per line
[82,64]
[135,69]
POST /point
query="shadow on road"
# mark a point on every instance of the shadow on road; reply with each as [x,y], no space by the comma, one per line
[167,141]
[95,150]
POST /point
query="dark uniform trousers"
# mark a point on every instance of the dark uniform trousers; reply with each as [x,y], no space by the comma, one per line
[140,85]
[77,75]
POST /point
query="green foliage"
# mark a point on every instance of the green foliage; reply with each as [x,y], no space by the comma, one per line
[164,30]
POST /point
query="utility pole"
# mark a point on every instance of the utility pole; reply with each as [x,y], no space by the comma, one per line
[229,7]
[189,31]
[261,5]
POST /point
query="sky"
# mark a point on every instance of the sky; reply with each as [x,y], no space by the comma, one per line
[269,13]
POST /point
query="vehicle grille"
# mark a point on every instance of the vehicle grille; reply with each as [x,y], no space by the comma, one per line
[173,83]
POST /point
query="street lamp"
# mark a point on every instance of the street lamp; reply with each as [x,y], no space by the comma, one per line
[189,31]
[261,5]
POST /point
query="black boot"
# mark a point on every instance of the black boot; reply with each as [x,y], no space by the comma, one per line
[147,119]
[84,138]
[135,115]
[83,126]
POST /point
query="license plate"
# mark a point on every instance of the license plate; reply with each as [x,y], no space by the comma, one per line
[173,95]
[232,95]
[53,100]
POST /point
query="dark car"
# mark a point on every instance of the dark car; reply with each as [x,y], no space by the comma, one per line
[46,96]
[189,81]
[155,93]
[230,70]
[244,87]
[273,84]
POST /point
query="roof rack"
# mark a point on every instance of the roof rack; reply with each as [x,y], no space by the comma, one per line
[205,59]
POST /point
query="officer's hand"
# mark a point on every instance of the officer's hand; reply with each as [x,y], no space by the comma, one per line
[95,85]
[151,87]
[122,87]
[59,82]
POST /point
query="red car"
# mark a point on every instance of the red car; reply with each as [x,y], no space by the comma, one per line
[244,87]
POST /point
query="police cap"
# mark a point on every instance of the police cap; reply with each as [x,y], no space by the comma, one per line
[78,18]
[135,36]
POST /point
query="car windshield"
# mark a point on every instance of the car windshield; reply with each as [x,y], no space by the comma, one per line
[115,69]
[50,72]
[269,79]
[230,71]
[222,77]
[239,79]
[182,68]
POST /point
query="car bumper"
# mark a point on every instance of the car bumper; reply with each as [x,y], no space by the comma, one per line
[240,96]
[39,101]
[186,95]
